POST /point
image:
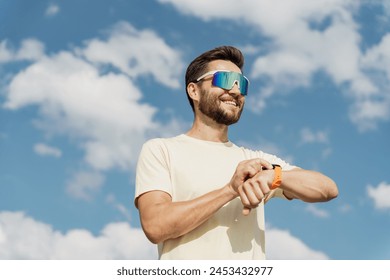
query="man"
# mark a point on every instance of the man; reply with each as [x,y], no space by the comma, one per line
[202,197]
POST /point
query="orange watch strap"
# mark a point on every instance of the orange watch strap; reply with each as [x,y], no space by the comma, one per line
[277,177]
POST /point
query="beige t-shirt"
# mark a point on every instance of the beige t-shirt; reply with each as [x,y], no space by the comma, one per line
[187,168]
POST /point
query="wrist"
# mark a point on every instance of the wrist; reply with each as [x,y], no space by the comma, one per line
[229,190]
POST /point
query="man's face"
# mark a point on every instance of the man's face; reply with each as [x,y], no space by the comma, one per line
[222,106]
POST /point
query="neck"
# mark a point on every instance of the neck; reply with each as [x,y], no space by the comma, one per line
[208,130]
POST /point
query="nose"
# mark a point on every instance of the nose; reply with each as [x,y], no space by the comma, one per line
[235,89]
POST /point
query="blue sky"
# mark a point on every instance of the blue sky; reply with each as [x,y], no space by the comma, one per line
[84,83]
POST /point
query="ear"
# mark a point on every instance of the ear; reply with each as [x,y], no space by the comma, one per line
[193,91]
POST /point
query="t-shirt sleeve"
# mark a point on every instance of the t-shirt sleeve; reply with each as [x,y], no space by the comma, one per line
[152,171]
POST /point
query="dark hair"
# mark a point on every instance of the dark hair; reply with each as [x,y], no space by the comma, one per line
[199,65]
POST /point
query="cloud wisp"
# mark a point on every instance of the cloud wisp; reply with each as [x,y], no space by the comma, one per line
[46,150]
[380,195]
[52,10]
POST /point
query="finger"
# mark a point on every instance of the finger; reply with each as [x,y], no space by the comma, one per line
[252,169]
[256,163]
[247,206]
[261,188]
[243,197]
[259,193]
[252,192]
[265,164]
[257,185]
[246,211]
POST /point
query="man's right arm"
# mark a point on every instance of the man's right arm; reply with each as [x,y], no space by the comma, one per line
[163,219]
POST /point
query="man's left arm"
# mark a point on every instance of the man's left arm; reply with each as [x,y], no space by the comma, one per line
[308,185]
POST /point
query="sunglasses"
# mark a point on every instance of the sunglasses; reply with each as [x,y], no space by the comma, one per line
[226,80]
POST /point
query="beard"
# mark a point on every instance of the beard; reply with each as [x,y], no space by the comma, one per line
[210,105]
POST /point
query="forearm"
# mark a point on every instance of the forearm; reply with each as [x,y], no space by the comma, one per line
[309,186]
[167,220]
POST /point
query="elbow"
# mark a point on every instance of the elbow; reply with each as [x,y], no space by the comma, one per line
[335,193]
[333,190]
[153,233]
[154,239]
[326,193]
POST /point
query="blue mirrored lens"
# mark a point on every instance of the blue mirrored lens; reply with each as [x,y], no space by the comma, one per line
[226,80]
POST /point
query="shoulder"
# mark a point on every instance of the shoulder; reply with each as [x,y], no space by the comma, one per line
[251,153]
[158,145]
[158,142]
[155,142]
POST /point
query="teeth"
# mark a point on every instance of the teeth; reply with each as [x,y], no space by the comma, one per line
[230,103]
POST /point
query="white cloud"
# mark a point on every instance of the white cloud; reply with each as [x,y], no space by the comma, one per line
[281,245]
[284,68]
[84,184]
[366,112]
[380,195]
[5,52]
[22,237]
[378,56]
[137,53]
[320,213]
[111,199]
[46,150]
[258,102]
[103,112]
[250,49]
[52,10]
[30,49]
[115,241]
[3,237]
[307,37]
[309,136]
[386,6]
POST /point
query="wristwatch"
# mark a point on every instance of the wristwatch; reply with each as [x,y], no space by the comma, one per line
[277,177]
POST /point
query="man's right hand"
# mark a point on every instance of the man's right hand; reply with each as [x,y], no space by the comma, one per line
[250,181]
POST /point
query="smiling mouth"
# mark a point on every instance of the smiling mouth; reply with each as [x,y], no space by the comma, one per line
[230,102]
